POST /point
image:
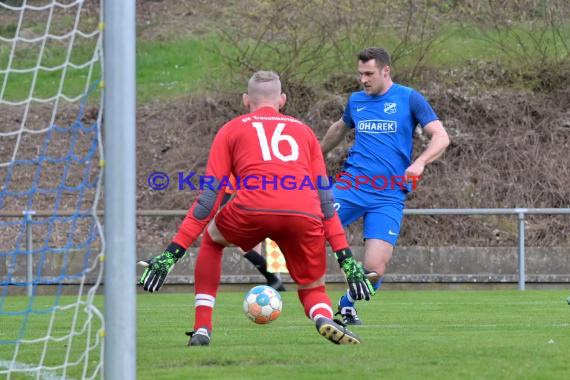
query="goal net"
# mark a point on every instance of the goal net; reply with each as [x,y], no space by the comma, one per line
[51,244]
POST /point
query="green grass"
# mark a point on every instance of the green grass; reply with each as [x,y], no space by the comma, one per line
[167,69]
[170,69]
[71,81]
[523,44]
[457,45]
[407,335]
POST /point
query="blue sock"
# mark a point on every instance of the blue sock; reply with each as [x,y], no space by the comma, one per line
[347,301]
[378,283]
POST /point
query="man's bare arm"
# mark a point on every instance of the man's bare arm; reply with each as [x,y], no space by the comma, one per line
[439,140]
[334,136]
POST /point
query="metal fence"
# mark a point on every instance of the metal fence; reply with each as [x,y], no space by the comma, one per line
[520,213]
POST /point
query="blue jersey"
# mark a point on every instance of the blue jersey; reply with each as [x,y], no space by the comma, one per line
[384,133]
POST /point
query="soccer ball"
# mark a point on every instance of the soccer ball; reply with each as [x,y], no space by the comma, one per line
[262,304]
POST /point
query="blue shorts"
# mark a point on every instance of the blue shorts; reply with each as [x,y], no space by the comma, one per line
[382,220]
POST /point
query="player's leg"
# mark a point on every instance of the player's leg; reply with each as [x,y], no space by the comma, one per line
[207,273]
[348,212]
[221,232]
[381,231]
[377,256]
[254,256]
[318,308]
[302,242]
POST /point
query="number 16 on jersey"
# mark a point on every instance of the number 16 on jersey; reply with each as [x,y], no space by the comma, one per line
[277,137]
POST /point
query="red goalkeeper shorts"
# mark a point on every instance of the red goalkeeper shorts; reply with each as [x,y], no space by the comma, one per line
[301,238]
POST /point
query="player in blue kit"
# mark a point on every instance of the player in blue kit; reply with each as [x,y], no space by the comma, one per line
[379,168]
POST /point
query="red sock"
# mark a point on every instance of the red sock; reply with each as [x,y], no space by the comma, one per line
[207,275]
[316,302]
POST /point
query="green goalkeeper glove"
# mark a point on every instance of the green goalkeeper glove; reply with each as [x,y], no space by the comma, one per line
[359,286]
[158,267]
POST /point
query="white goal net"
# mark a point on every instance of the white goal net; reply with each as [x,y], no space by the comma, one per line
[51,244]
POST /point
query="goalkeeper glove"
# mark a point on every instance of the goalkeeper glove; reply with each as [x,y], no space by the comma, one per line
[158,267]
[359,286]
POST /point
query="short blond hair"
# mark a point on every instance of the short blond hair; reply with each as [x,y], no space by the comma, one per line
[264,85]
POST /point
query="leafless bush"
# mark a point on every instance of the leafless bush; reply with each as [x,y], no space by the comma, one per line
[307,41]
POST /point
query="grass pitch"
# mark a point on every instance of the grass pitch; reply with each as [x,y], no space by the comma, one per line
[407,335]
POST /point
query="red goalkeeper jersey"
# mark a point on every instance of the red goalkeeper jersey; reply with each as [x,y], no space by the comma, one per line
[278,165]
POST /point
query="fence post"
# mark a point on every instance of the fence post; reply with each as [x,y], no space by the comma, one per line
[29,251]
[521,217]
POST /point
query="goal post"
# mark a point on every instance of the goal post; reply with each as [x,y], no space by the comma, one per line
[67,129]
[120,181]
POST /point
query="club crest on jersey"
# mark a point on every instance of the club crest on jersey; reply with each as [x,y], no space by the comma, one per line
[389,108]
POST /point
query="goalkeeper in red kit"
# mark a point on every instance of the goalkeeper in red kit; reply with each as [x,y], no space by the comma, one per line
[282,193]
